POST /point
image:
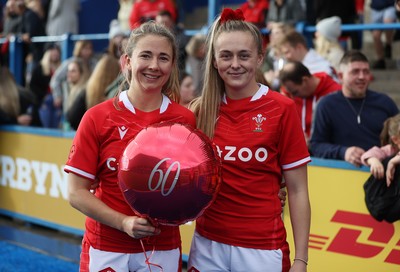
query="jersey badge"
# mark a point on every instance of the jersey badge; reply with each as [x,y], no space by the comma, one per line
[122,131]
[258,122]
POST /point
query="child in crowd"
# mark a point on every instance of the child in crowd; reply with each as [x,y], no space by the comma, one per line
[390,145]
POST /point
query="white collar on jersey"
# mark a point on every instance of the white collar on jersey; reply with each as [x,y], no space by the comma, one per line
[263,90]
[123,96]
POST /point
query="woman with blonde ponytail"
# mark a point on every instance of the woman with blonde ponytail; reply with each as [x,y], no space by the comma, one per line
[260,140]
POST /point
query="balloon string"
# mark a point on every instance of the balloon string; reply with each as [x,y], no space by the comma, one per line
[149,264]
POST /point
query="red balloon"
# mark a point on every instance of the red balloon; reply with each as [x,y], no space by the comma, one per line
[170,173]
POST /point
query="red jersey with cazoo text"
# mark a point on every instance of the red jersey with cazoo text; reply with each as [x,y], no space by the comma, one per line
[103,134]
[257,138]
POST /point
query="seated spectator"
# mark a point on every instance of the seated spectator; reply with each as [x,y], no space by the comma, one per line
[165,17]
[16,103]
[73,87]
[294,47]
[105,72]
[327,40]
[83,50]
[118,39]
[195,50]
[255,11]
[350,121]
[285,11]
[113,88]
[390,145]
[146,10]
[116,35]
[306,89]
[187,90]
[274,59]
[42,73]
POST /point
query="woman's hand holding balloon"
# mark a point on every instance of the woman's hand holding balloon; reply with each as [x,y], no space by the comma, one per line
[139,227]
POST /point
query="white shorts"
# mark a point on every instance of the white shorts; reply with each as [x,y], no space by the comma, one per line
[162,260]
[207,255]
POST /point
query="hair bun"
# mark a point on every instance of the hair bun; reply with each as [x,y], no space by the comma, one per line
[230,14]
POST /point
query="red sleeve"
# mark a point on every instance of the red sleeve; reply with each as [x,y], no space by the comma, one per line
[292,145]
[83,156]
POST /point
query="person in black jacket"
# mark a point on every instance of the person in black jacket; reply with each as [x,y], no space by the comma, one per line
[32,26]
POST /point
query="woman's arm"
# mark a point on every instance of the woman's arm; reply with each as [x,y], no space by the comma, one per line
[300,214]
[82,199]
[391,167]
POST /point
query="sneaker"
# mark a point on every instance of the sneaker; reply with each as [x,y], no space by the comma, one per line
[379,64]
[388,51]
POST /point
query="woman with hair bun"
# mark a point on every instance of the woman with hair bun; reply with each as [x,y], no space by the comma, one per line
[260,140]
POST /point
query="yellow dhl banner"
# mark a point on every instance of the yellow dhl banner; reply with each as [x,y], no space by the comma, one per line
[344,237]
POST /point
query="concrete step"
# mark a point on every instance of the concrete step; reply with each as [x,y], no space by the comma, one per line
[386,75]
[387,81]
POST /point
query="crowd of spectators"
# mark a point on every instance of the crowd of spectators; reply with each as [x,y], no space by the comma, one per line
[57,93]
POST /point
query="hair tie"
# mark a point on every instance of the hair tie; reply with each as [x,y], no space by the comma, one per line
[230,14]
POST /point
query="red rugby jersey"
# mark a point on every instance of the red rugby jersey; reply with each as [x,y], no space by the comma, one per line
[257,138]
[103,134]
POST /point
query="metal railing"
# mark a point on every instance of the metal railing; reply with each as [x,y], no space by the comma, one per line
[67,41]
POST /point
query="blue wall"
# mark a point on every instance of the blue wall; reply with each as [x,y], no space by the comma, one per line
[95,15]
